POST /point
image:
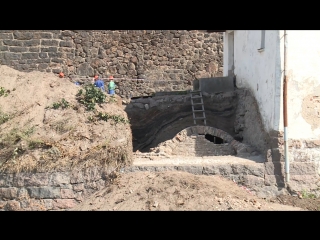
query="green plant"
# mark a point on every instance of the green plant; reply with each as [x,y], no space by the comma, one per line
[63,104]
[4,117]
[4,92]
[91,96]
[306,194]
[116,118]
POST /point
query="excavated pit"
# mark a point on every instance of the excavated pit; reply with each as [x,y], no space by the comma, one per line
[157,119]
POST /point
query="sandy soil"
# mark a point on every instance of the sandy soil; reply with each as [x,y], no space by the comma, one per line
[176,191]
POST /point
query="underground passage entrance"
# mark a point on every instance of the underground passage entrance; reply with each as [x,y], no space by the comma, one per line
[214,139]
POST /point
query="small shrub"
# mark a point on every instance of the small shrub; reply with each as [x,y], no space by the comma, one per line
[4,92]
[91,96]
[63,104]
[306,194]
[116,118]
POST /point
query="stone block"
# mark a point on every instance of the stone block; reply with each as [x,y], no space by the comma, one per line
[66,44]
[50,43]
[37,179]
[191,169]
[49,49]
[11,56]
[13,205]
[30,43]
[22,35]
[8,193]
[302,168]
[6,36]
[44,192]
[59,179]
[210,170]
[274,168]
[29,55]
[274,180]
[18,49]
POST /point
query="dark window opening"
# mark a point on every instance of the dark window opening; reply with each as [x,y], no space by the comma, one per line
[214,139]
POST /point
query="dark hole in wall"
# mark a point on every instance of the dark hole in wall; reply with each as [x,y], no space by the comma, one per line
[142,97]
[214,139]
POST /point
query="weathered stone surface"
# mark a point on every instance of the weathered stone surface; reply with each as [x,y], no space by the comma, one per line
[6,36]
[58,204]
[305,179]
[302,168]
[274,168]
[22,193]
[270,192]
[210,170]
[11,56]
[13,205]
[29,55]
[225,169]
[3,178]
[18,49]
[274,180]
[85,69]
[77,176]
[22,35]
[65,44]
[59,179]
[33,42]
[49,43]
[252,181]
[8,193]
[191,169]
[312,143]
[78,187]
[44,192]
[2,204]
[67,193]
[92,174]
[37,179]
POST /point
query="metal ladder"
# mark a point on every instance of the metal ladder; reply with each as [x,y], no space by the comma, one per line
[197,95]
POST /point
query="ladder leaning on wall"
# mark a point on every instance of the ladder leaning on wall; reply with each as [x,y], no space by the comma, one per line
[195,97]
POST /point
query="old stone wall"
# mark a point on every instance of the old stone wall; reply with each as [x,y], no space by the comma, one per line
[49,191]
[178,55]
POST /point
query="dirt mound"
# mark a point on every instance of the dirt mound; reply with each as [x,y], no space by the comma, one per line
[174,191]
[49,123]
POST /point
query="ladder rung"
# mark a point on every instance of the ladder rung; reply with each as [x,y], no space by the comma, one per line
[196,97]
[198,110]
[199,118]
[197,104]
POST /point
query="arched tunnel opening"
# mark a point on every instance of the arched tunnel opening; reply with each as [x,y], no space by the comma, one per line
[214,139]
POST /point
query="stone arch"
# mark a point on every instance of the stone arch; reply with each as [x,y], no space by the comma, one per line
[166,147]
[202,130]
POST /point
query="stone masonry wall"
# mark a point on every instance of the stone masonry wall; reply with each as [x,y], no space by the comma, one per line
[49,191]
[167,55]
